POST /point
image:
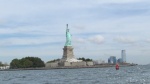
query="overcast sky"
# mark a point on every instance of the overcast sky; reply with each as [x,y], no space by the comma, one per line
[99,28]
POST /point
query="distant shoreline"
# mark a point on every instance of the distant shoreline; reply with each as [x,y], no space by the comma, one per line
[76,67]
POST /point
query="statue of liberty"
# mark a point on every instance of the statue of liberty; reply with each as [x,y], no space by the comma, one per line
[68,37]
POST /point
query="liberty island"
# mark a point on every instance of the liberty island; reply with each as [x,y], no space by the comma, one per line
[68,59]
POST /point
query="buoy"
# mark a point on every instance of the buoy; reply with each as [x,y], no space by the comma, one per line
[117,66]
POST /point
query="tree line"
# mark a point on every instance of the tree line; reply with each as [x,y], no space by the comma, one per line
[55,60]
[84,59]
[27,62]
[3,64]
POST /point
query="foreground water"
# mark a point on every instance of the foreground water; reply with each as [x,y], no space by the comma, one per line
[126,75]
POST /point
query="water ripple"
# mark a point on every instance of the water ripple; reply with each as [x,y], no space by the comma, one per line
[126,75]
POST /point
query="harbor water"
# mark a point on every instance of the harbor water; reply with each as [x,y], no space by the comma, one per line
[125,75]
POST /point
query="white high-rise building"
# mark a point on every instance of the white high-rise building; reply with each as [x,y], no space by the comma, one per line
[123,55]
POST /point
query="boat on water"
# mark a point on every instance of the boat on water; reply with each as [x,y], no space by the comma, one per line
[117,66]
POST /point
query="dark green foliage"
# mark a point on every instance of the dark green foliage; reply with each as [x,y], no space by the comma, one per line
[27,62]
[15,63]
[1,64]
[53,60]
[84,59]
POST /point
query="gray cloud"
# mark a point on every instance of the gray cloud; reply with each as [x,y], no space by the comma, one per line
[80,40]
[118,1]
[126,40]
[98,39]
[94,39]
[46,20]
[15,41]
[147,40]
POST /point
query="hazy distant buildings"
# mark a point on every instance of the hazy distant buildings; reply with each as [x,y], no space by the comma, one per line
[120,60]
[123,55]
[4,67]
[112,60]
[99,61]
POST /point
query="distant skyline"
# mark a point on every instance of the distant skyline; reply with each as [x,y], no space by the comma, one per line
[99,28]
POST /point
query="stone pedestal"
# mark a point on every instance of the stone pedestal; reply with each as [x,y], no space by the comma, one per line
[68,52]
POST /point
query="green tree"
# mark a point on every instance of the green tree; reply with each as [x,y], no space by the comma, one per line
[84,59]
[0,63]
[37,62]
[15,63]
[27,62]
[55,60]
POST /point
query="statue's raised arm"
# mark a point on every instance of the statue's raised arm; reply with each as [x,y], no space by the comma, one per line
[68,37]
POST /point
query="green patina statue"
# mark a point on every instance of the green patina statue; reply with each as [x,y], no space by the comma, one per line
[68,37]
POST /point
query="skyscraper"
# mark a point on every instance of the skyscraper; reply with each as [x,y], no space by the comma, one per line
[123,55]
[112,60]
